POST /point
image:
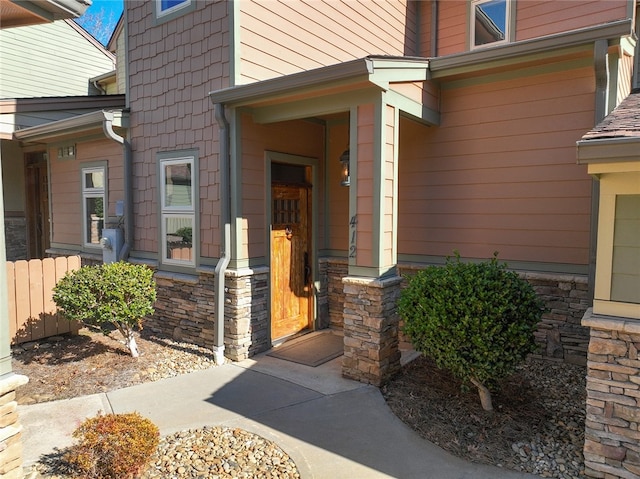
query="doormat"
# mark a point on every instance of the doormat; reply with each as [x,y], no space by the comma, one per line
[311,350]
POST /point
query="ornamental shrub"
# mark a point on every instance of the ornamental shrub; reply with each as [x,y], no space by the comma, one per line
[474,319]
[119,294]
[113,446]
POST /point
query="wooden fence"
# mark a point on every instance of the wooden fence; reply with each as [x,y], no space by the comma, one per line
[32,312]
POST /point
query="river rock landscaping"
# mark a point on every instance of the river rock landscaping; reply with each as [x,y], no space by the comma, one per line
[537,426]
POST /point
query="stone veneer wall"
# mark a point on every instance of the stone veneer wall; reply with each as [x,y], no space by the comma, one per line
[331,295]
[10,428]
[612,435]
[560,335]
[185,310]
[246,312]
[15,231]
[371,352]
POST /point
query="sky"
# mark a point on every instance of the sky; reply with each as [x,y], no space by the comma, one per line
[101,18]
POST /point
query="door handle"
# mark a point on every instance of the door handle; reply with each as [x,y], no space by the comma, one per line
[307,269]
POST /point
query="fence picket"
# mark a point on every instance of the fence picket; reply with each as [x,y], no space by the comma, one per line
[11,290]
[48,306]
[32,312]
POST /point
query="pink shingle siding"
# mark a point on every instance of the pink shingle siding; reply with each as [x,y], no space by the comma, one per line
[172,68]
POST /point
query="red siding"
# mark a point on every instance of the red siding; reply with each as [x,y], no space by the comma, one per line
[500,173]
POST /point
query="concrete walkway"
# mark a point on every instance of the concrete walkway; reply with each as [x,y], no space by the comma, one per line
[331,427]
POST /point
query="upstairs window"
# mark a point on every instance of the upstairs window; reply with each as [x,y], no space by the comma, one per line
[94,201]
[490,22]
[168,9]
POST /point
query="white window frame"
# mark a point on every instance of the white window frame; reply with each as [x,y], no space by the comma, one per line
[508,27]
[93,192]
[162,13]
[177,211]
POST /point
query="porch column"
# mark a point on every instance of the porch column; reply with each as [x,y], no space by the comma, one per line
[10,428]
[373,285]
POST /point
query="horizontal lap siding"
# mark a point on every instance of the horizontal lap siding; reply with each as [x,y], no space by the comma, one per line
[534,18]
[546,17]
[295,138]
[172,68]
[66,193]
[282,37]
[500,172]
[452,27]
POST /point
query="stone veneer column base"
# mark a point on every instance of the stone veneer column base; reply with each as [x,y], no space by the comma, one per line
[371,353]
[10,428]
[612,435]
[246,312]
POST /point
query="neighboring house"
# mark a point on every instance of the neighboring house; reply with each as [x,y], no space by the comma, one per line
[18,15]
[52,72]
[455,121]
[611,151]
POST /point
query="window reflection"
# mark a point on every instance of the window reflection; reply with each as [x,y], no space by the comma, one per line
[490,21]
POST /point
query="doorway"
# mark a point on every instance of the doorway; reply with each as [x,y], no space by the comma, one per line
[38,227]
[291,254]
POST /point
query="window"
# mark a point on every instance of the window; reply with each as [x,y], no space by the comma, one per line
[93,204]
[625,272]
[168,9]
[490,22]
[178,211]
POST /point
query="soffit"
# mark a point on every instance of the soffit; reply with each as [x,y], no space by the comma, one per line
[15,13]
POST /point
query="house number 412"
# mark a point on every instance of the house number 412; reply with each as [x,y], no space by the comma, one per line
[352,246]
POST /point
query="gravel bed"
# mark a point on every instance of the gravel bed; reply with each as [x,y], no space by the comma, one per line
[219,452]
[204,453]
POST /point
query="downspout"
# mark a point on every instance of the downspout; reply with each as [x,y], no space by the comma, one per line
[434,28]
[601,67]
[225,220]
[107,127]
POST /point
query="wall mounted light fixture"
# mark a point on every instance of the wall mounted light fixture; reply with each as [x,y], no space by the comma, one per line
[344,160]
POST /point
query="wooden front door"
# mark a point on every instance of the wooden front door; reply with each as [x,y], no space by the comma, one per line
[37,205]
[291,298]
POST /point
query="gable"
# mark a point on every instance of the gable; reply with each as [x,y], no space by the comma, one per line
[51,59]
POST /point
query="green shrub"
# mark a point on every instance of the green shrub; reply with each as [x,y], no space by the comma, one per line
[113,446]
[119,294]
[187,234]
[474,319]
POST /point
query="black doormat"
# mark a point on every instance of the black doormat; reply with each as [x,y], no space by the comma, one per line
[312,349]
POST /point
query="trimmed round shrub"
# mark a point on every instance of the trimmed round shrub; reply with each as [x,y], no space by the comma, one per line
[113,446]
[474,319]
[119,294]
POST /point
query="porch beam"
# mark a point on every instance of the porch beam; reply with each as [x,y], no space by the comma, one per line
[314,106]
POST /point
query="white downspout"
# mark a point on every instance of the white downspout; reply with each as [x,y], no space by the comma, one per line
[107,127]
[225,220]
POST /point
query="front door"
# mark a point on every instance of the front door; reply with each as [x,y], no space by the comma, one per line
[291,291]
[37,205]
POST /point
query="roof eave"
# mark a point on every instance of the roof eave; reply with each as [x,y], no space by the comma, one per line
[608,150]
[512,52]
[80,124]
[354,71]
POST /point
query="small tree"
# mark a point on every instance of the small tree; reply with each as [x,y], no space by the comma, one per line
[474,319]
[121,294]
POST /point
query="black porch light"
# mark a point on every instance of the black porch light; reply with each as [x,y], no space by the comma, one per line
[344,161]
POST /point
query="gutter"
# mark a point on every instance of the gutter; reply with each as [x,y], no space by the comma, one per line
[225,218]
